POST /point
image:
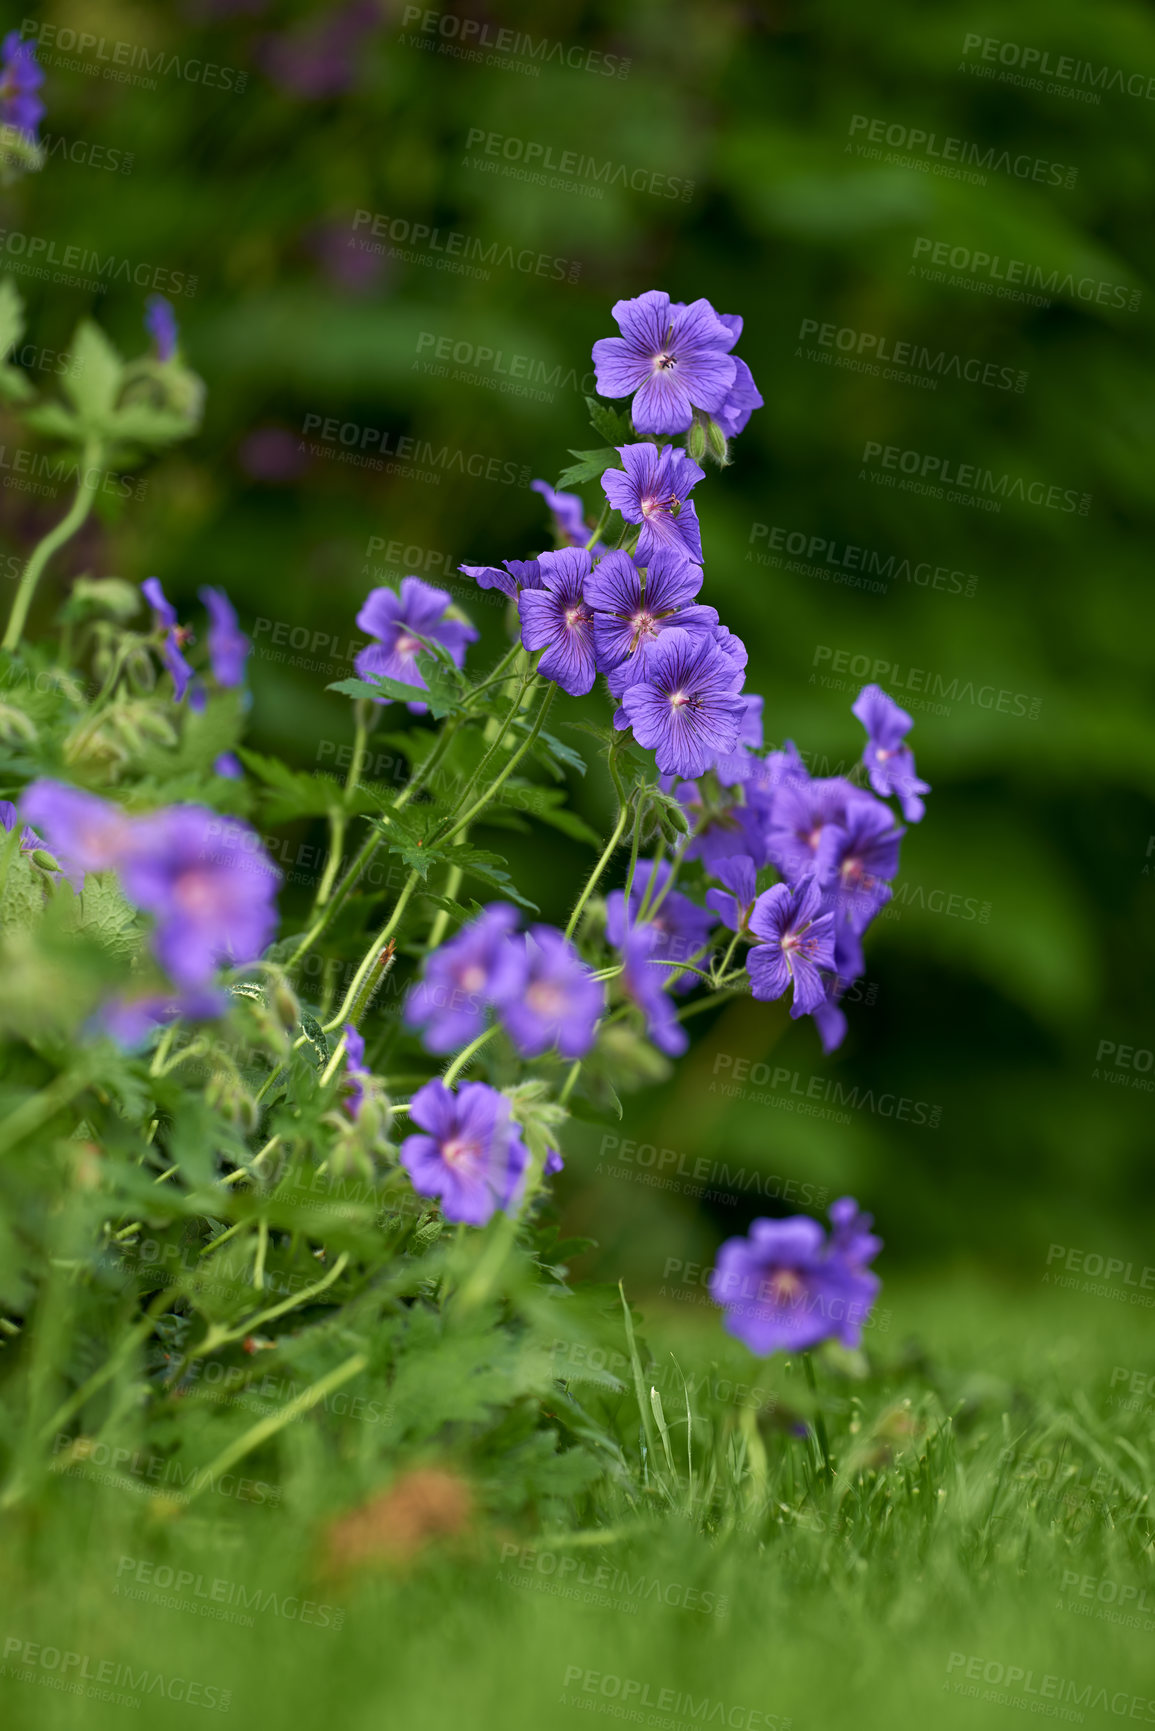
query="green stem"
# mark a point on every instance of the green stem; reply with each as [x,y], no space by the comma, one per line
[599,526]
[357,995]
[819,1419]
[483,800]
[495,744]
[463,1057]
[592,880]
[40,1107]
[55,538]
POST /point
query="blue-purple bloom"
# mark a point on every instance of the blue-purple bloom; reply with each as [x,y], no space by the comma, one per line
[174,636]
[511,577]
[856,858]
[160,323]
[743,397]
[798,815]
[228,645]
[645,983]
[470,1154]
[356,1075]
[682,926]
[687,709]
[130,1021]
[82,831]
[888,759]
[229,766]
[796,936]
[673,357]
[735,902]
[20,78]
[653,489]
[558,1002]
[403,625]
[632,609]
[208,883]
[739,765]
[786,1286]
[558,619]
[482,965]
[568,511]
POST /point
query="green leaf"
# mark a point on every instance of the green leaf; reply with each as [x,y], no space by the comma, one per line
[101,910]
[548,805]
[142,424]
[295,794]
[11,316]
[93,384]
[552,751]
[56,422]
[591,465]
[442,696]
[612,424]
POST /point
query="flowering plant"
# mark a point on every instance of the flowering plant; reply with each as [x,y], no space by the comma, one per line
[199,1084]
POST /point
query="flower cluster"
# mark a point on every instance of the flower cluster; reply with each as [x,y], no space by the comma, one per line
[541,991]
[786,1286]
[20,80]
[227,644]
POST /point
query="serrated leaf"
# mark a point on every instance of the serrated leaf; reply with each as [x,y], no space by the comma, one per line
[293,793]
[442,696]
[93,384]
[547,804]
[548,746]
[611,424]
[590,466]
[488,866]
[101,910]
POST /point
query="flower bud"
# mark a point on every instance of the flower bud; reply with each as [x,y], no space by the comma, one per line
[16,728]
[696,440]
[286,1005]
[719,447]
[44,860]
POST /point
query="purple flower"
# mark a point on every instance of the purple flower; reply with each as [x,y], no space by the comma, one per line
[356,1075]
[741,880]
[482,965]
[558,619]
[229,766]
[209,885]
[673,357]
[829,1019]
[401,623]
[682,926]
[569,522]
[687,710]
[160,323]
[857,857]
[228,645]
[888,759]
[130,1021]
[800,811]
[20,78]
[645,983]
[852,1237]
[518,574]
[173,636]
[653,489]
[786,1287]
[470,1156]
[84,833]
[630,612]
[743,397]
[29,840]
[558,1002]
[736,766]
[797,938]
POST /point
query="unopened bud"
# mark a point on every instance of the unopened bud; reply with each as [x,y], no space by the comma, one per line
[44,860]
[719,447]
[696,440]
[286,1005]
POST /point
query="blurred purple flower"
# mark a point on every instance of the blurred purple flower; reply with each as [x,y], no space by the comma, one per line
[470,1155]
[229,766]
[322,57]
[857,857]
[558,1002]
[785,1286]
[480,966]
[799,813]
[228,645]
[160,323]
[568,511]
[208,883]
[672,359]
[20,78]
[511,577]
[131,1020]
[272,455]
[645,982]
[653,489]
[400,622]
[740,878]
[174,637]
[682,926]
[348,266]
[356,1075]
[83,832]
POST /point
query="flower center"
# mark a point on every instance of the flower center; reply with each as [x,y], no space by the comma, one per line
[679,699]
[664,363]
[658,506]
[785,1286]
[472,977]
[546,999]
[194,892]
[643,625]
[576,615]
[459,1152]
[407,645]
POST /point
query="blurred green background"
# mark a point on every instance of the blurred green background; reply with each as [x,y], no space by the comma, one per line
[1022,940]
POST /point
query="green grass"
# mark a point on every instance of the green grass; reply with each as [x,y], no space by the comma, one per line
[980,1454]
